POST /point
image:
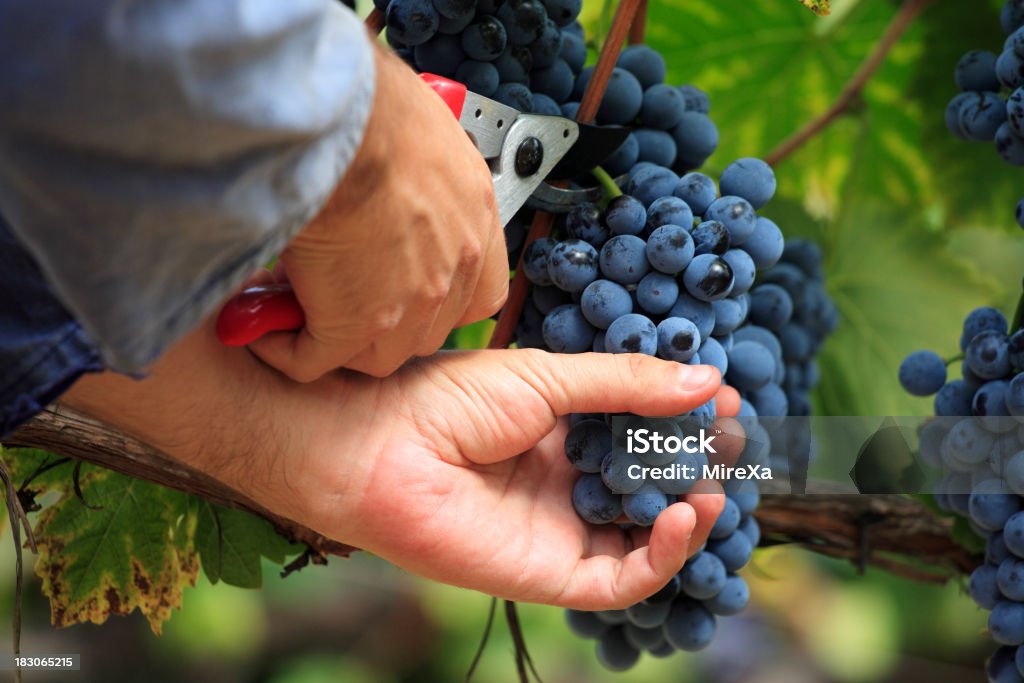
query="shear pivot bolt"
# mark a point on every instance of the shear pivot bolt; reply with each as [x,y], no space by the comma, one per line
[529,156]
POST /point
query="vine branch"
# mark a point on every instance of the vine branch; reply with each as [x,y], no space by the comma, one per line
[906,537]
[852,90]
[67,432]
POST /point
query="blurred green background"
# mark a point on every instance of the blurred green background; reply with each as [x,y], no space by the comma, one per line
[917,227]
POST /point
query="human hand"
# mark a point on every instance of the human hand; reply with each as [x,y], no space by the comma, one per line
[408,247]
[452,468]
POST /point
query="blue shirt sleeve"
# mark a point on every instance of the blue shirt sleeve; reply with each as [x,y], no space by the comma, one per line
[43,350]
[155,154]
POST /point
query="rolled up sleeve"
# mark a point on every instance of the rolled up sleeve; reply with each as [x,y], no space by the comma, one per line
[154,154]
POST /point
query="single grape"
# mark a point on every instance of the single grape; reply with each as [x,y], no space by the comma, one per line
[730,313]
[743,269]
[565,330]
[573,50]
[703,576]
[515,95]
[585,624]
[670,249]
[648,615]
[663,107]
[751,179]
[650,183]
[698,191]
[678,339]
[655,146]
[736,214]
[1009,145]
[696,99]
[728,520]
[603,302]
[623,259]
[535,261]
[554,80]
[644,506]
[593,501]
[413,22]
[690,626]
[622,99]
[441,55]
[524,20]
[734,551]
[632,333]
[542,104]
[922,373]
[991,503]
[708,278]
[669,211]
[733,597]
[987,355]
[770,306]
[572,265]
[657,293]
[514,65]
[644,63]
[625,215]
[700,313]
[751,366]
[710,237]
[696,139]
[1010,579]
[983,586]
[563,12]
[480,77]
[587,444]
[614,651]
[485,40]
[976,71]
[1006,623]
[712,353]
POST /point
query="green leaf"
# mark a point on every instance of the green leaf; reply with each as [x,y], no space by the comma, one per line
[231,543]
[772,67]
[134,552]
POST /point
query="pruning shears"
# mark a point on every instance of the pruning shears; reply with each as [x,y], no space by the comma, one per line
[522,150]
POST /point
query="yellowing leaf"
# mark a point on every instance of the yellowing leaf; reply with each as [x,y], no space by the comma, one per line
[134,552]
[819,7]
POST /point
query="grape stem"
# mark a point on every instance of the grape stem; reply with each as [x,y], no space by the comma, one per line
[1018,315]
[954,359]
[852,90]
[611,190]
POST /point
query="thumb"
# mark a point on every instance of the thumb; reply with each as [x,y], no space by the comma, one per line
[615,383]
[509,400]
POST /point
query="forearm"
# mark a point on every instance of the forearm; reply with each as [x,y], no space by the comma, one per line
[153,155]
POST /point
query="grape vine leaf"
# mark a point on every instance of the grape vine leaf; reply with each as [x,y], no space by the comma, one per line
[232,542]
[134,551]
[819,7]
[774,66]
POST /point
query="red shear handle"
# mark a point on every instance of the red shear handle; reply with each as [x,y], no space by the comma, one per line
[258,311]
[452,92]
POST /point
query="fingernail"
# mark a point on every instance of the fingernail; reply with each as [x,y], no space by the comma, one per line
[697,376]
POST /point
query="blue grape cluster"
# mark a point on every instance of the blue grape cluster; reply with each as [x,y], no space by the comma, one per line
[523,53]
[669,270]
[990,105]
[977,439]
